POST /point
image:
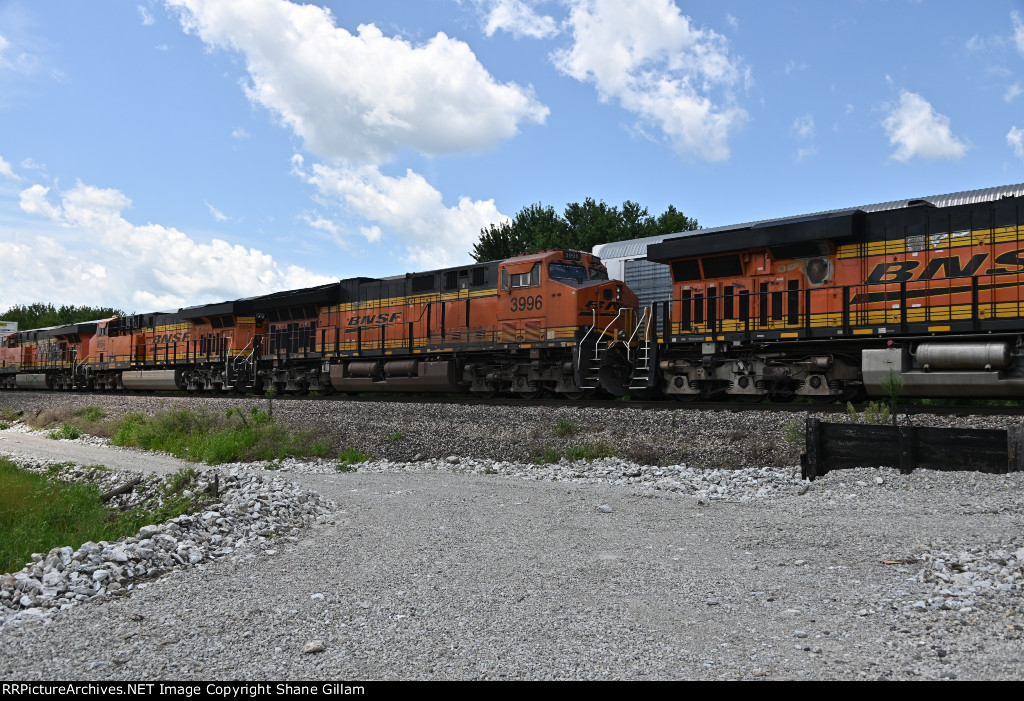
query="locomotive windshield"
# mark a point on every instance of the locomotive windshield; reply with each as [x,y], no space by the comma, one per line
[561,271]
[598,274]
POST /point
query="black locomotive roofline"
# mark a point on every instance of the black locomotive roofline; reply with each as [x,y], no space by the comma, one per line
[977,209]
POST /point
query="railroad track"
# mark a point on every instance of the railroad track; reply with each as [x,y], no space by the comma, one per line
[660,404]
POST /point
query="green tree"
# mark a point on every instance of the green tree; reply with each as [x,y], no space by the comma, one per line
[583,226]
[673,221]
[528,231]
[40,315]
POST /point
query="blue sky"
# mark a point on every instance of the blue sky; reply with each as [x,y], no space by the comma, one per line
[156,153]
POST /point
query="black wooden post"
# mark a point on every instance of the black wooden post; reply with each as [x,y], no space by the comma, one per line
[905,437]
[810,466]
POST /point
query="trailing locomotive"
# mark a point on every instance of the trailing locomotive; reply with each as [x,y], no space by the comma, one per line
[542,322]
[831,306]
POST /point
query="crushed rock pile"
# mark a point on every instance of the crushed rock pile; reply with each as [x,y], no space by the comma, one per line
[247,514]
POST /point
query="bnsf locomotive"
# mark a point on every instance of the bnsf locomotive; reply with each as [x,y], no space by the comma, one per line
[831,306]
[827,306]
[523,326]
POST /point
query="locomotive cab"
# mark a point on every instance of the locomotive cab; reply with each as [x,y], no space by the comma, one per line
[575,321]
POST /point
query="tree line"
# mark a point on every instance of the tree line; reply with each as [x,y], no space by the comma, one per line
[41,315]
[580,227]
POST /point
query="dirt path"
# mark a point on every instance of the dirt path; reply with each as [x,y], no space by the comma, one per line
[38,446]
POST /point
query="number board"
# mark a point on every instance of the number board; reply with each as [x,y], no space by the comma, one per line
[571,255]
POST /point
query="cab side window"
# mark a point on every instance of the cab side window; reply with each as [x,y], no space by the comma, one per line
[530,279]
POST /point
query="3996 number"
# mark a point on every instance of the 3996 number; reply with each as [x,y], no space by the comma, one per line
[527,303]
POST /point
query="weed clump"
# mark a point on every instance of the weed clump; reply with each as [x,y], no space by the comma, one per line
[201,437]
[566,428]
[349,458]
[66,432]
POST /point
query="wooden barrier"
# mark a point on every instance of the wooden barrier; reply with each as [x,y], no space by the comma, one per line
[839,446]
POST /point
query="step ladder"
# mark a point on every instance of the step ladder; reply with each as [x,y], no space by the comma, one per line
[642,375]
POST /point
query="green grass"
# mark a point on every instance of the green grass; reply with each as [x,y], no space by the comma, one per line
[66,431]
[8,414]
[4,426]
[589,451]
[349,458]
[566,428]
[90,413]
[396,436]
[200,437]
[37,515]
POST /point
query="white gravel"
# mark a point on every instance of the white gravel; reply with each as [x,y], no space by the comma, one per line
[465,564]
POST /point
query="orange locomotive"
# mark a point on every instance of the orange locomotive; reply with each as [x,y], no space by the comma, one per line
[834,305]
[533,323]
[546,321]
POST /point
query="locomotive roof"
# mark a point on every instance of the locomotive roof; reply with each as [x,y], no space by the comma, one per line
[637,247]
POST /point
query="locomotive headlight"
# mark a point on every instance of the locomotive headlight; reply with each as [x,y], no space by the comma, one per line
[618,292]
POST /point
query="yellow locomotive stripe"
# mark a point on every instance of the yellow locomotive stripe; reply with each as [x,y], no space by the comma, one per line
[932,242]
[454,296]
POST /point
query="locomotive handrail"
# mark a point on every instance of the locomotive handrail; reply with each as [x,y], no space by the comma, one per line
[593,325]
[644,322]
[604,333]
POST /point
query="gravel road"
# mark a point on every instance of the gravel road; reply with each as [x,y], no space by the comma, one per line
[425,572]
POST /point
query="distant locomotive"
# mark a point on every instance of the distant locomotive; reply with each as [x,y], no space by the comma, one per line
[523,326]
[831,306]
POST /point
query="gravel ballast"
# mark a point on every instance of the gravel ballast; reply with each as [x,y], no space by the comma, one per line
[474,562]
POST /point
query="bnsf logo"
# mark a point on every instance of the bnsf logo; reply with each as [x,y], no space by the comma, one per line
[950,266]
[374,319]
[602,306]
[171,337]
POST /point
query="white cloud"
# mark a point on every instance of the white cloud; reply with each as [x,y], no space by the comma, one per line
[97,256]
[732,21]
[239,133]
[361,98]
[31,164]
[217,214]
[804,126]
[916,129]
[1012,92]
[1015,138]
[33,200]
[1018,30]
[6,171]
[434,235]
[520,19]
[805,153]
[147,18]
[648,57]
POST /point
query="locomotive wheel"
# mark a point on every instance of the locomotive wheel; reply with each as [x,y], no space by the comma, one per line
[581,394]
[687,397]
[784,396]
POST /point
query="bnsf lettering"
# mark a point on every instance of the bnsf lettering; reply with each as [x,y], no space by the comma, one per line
[171,337]
[946,267]
[602,306]
[373,319]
